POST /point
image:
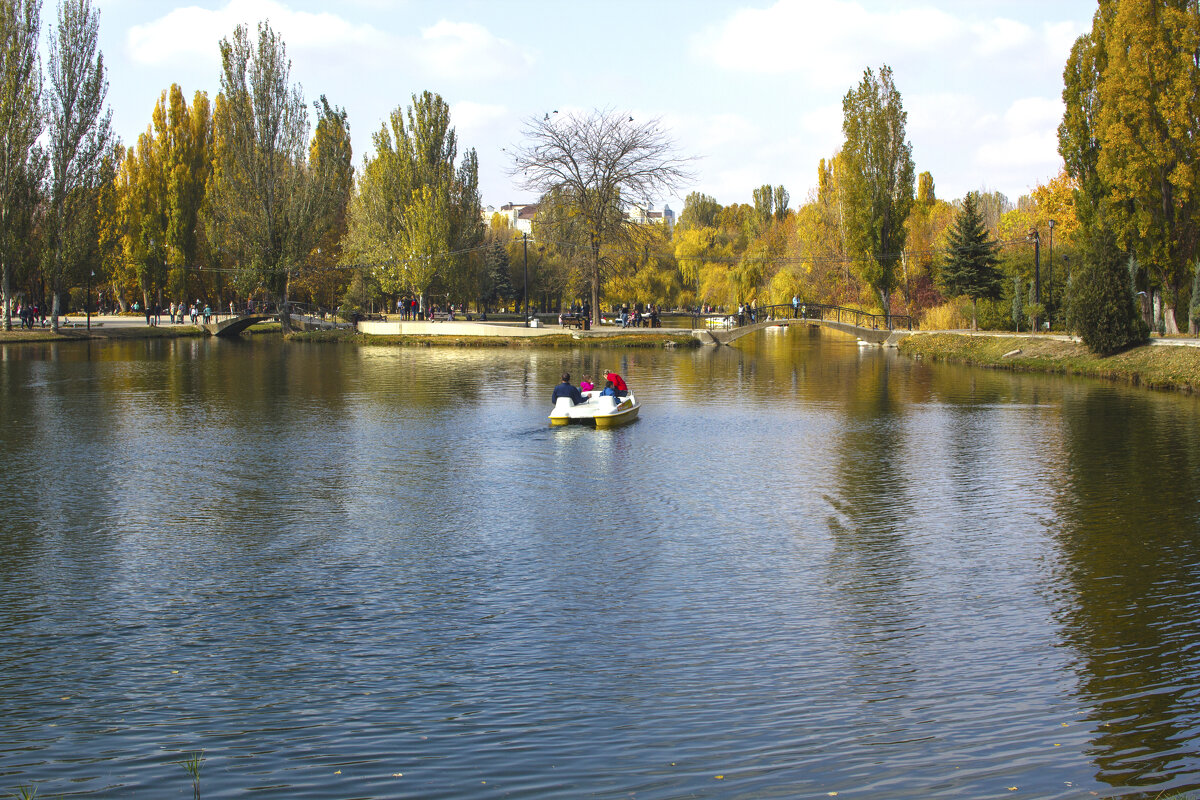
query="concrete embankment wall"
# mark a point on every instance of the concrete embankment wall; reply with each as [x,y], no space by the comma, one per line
[427,328]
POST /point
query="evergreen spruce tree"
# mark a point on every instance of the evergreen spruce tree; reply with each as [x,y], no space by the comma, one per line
[1101,308]
[970,268]
[499,281]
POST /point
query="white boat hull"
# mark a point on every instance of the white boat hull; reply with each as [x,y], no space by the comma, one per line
[603,412]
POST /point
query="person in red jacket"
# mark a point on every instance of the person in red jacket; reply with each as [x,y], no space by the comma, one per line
[618,383]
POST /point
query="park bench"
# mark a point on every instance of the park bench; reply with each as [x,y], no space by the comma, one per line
[573,321]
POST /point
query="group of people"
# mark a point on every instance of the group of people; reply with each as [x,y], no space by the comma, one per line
[30,315]
[194,312]
[614,386]
[408,308]
[747,310]
[639,317]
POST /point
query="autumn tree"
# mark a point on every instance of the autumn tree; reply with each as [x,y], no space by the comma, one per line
[970,268]
[415,213]
[879,177]
[21,124]
[928,224]
[331,162]
[1130,131]
[79,141]
[267,202]
[699,211]
[600,163]
[184,136]
[764,204]
[1078,133]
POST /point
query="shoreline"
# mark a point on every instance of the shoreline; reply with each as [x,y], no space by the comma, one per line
[1151,366]
[614,340]
[78,333]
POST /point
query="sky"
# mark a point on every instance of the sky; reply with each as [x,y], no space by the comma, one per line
[751,90]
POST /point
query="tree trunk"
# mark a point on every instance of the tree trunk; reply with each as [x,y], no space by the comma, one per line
[1156,304]
[975,314]
[596,283]
[6,296]
[54,311]
[1169,318]
[285,317]
[886,298]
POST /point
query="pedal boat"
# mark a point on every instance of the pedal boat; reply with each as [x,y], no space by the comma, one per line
[602,412]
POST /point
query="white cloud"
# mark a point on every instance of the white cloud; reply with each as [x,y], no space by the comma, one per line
[999,36]
[468,50]
[1025,141]
[443,51]
[186,34]
[828,42]
[473,116]
[1060,37]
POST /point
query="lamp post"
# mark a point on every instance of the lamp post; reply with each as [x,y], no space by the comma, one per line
[87,300]
[1037,278]
[1050,277]
[525,247]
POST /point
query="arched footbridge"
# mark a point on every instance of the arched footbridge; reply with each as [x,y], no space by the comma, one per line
[302,318]
[874,328]
[235,325]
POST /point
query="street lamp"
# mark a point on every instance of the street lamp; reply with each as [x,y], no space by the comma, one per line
[87,300]
[1037,277]
[1050,277]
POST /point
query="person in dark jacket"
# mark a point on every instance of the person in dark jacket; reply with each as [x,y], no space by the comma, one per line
[565,389]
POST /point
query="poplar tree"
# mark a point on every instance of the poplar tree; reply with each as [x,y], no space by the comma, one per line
[22,164]
[79,140]
[879,175]
[1149,128]
[1129,135]
[970,269]
[186,142]
[266,201]
[331,159]
[415,214]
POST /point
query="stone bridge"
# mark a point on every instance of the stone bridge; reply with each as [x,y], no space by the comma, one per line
[235,325]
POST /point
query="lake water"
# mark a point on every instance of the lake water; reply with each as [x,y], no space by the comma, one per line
[376,572]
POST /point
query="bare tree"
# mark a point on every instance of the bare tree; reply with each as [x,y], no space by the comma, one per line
[600,164]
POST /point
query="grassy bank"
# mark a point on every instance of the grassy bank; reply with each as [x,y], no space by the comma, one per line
[1174,368]
[626,340]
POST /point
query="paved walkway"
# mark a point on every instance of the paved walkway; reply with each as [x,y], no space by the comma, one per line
[1158,341]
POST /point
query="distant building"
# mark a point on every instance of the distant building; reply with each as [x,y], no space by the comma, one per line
[645,216]
[519,216]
